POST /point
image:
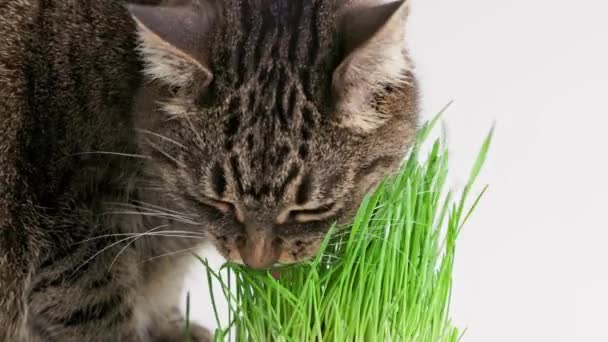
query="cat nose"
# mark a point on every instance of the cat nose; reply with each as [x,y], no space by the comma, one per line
[259,251]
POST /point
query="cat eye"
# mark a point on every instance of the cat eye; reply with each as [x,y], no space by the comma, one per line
[320,213]
[175,91]
[226,208]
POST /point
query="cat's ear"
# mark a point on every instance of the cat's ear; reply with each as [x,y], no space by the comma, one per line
[372,34]
[174,42]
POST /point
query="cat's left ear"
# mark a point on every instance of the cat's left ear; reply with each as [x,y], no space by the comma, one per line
[174,43]
[372,34]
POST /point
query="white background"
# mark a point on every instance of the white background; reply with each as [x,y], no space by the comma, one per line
[531,263]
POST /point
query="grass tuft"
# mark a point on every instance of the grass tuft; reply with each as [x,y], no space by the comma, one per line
[388,277]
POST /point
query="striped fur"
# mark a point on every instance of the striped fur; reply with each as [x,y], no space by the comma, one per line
[300,119]
[129,142]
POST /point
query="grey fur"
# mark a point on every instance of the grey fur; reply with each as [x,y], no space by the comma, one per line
[91,153]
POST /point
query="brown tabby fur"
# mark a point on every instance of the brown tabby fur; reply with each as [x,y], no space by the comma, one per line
[250,124]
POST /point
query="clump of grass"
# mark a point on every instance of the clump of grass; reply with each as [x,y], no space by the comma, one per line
[387,277]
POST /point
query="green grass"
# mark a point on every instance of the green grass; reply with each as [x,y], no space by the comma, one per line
[386,277]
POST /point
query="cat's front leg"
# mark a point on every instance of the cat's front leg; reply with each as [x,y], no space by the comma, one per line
[13,307]
[94,322]
[80,294]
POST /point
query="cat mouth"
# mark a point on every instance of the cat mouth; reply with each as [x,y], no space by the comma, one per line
[275,270]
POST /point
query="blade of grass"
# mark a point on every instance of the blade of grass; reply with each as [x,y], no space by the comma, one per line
[389,277]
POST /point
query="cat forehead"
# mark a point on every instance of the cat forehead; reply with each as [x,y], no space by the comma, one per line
[270,144]
[268,127]
[284,13]
[272,95]
[259,41]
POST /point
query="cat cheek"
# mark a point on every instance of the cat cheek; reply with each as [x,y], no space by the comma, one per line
[228,251]
[300,253]
[312,250]
[231,253]
[287,257]
[234,256]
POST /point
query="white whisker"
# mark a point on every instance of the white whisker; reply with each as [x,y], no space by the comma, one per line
[133,241]
[196,132]
[136,236]
[160,136]
[140,156]
[168,254]
[177,235]
[152,214]
[154,146]
[139,234]
[150,207]
[101,251]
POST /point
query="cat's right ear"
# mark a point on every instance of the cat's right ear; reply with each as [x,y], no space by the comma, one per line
[373,39]
[174,43]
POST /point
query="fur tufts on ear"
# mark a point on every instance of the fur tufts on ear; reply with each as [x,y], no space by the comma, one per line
[174,43]
[373,35]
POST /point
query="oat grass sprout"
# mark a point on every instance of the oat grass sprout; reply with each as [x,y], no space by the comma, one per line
[387,277]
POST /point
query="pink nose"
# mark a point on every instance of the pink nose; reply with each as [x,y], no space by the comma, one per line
[259,251]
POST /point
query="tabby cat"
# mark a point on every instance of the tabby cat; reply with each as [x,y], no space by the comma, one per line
[131,135]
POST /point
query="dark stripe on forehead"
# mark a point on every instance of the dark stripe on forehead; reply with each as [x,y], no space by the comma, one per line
[296,17]
[232,125]
[282,31]
[234,112]
[303,152]
[304,36]
[308,116]
[218,180]
[294,170]
[233,38]
[305,133]
[246,16]
[246,25]
[304,190]
[236,173]
[260,40]
[313,44]
[308,80]
[291,102]
[281,155]
[251,101]
[251,65]
[280,98]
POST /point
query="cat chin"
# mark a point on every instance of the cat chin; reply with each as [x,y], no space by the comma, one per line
[289,262]
[279,264]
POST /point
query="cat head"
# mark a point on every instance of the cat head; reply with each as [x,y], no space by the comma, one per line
[271,120]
